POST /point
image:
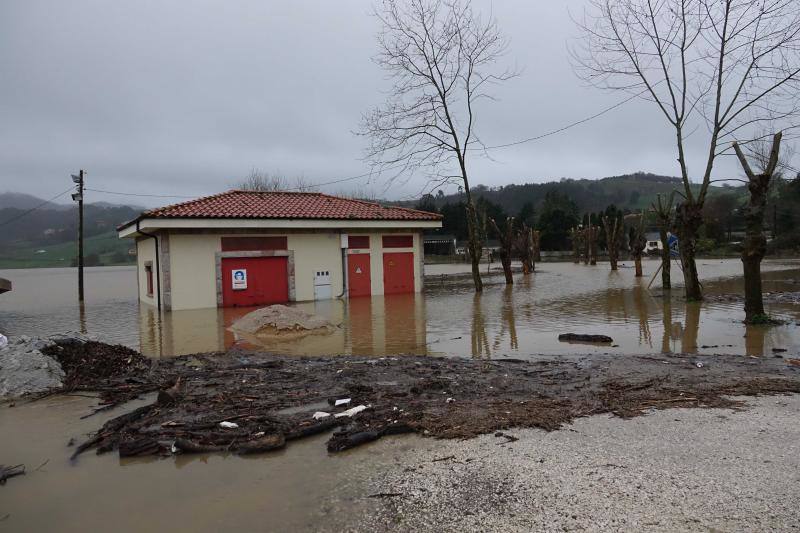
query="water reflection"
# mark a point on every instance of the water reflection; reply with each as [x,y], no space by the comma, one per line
[448,319]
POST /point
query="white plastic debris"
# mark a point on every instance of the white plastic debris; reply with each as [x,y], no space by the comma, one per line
[352,411]
[343,401]
[228,425]
[320,414]
[174,449]
[259,434]
[699,364]
[450,400]
[3,341]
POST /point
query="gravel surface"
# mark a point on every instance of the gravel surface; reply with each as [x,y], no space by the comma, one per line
[672,470]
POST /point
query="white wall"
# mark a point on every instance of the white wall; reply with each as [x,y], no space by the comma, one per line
[312,252]
[193,270]
[146,252]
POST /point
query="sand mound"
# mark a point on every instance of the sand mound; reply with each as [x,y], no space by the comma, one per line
[280,320]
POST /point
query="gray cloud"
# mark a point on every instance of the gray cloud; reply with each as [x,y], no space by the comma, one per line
[168,97]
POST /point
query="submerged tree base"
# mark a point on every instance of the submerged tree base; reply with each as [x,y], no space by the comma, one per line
[244,402]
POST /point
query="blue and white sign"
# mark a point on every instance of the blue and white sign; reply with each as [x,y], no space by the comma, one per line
[239,279]
[672,240]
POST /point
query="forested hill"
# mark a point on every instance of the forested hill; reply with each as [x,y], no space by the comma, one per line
[627,192]
[35,233]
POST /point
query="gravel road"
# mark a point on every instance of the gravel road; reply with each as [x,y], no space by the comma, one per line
[672,470]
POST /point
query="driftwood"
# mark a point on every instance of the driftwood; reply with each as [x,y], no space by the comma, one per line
[7,472]
[580,337]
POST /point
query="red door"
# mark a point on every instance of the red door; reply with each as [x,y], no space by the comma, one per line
[260,281]
[398,272]
[358,275]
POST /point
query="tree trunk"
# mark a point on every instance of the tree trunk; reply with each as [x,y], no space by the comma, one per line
[689,218]
[576,245]
[613,229]
[638,245]
[537,241]
[593,234]
[506,238]
[665,259]
[474,245]
[755,243]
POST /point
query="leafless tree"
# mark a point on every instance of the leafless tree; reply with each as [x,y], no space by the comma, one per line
[638,241]
[576,235]
[524,246]
[259,181]
[613,227]
[506,237]
[664,220]
[442,58]
[728,65]
[766,160]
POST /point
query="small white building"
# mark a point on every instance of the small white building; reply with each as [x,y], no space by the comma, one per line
[243,248]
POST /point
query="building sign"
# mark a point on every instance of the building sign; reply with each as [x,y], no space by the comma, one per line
[239,279]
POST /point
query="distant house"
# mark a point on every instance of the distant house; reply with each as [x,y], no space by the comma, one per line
[243,248]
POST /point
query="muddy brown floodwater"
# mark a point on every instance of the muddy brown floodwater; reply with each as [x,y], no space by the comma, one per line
[283,490]
[447,319]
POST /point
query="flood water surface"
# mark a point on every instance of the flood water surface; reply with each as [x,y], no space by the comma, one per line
[302,487]
[447,319]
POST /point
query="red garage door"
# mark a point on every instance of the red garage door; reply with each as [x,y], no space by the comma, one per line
[398,273]
[358,275]
[248,281]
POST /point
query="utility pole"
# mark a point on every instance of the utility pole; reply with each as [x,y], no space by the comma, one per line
[78,197]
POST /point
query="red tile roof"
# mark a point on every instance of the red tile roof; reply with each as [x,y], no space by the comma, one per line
[285,205]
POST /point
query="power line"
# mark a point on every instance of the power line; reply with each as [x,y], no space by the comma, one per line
[140,194]
[395,167]
[563,128]
[32,209]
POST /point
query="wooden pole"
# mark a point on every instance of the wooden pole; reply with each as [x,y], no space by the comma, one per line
[80,238]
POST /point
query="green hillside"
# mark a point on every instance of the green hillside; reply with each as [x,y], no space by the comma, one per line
[103,249]
[627,192]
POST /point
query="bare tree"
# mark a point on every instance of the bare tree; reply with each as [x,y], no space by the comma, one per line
[766,161]
[727,65]
[524,247]
[442,59]
[506,238]
[613,227]
[664,219]
[592,234]
[638,241]
[259,181]
[576,236]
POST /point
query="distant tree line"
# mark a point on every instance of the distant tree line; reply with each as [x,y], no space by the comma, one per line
[558,213]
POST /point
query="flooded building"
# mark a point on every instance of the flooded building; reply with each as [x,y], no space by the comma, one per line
[244,248]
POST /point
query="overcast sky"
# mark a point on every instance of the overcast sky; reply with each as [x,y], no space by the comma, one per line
[185,98]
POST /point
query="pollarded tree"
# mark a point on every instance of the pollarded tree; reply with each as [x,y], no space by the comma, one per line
[765,160]
[613,227]
[726,65]
[664,220]
[442,58]
[506,237]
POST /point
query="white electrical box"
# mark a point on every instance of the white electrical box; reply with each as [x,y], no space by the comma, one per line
[322,285]
[344,241]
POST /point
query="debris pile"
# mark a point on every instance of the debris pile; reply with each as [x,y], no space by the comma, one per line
[243,402]
[118,373]
[282,321]
[25,369]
